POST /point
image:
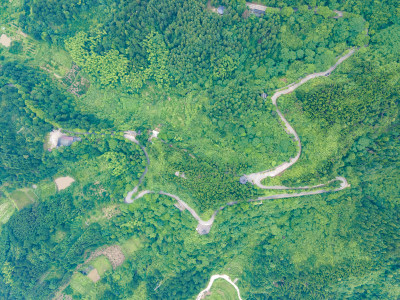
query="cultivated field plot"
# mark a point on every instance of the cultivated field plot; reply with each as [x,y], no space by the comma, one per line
[12,33]
[7,208]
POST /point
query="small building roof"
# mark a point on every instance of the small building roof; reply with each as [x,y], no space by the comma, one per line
[67,140]
[264,95]
[221,9]
[258,12]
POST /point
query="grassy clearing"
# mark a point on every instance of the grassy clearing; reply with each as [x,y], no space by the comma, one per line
[46,188]
[102,264]
[234,268]
[82,285]
[222,290]
[130,246]
[58,236]
[22,198]
[53,58]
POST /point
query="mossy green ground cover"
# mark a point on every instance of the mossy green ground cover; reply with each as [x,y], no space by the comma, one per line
[130,246]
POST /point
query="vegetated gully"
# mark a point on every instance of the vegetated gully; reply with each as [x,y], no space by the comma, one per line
[204,226]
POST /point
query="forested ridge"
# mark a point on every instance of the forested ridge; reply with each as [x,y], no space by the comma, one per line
[204,81]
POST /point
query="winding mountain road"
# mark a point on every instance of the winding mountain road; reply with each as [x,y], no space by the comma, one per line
[204,226]
[256,178]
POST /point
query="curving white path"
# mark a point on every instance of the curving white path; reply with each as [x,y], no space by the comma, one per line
[131,136]
[201,295]
[204,226]
[256,178]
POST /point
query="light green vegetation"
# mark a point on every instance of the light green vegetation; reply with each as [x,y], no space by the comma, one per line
[45,189]
[222,290]
[23,197]
[83,286]
[29,47]
[130,246]
[52,59]
[55,60]
[7,208]
[101,264]
[198,77]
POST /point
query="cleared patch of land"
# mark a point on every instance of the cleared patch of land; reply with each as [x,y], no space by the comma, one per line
[130,246]
[113,253]
[94,275]
[5,40]
[101,264]
[83,285]
[63,182]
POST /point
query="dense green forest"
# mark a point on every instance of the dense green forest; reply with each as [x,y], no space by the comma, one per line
[204,81]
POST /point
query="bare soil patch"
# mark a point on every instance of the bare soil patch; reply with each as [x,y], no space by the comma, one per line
[5,40]
[63,182]
[94,275]
[53,139]
[111,211]
[114,255]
